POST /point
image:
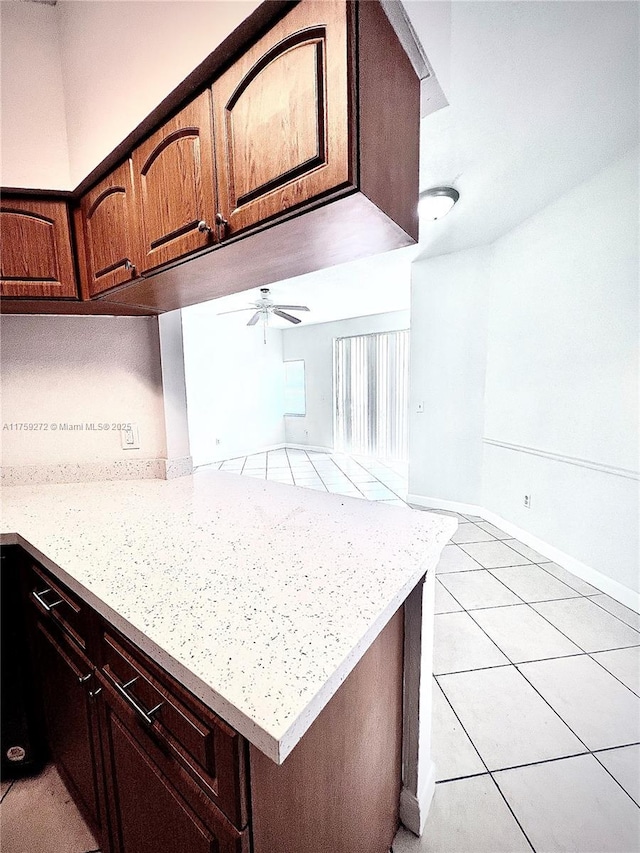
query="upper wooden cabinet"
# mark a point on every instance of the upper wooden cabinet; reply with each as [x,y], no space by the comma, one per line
[281,117]
[36,256]
[107,232]
[174,186]
[316,124]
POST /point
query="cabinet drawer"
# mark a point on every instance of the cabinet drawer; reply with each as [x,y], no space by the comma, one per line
[212,752]
[54,602]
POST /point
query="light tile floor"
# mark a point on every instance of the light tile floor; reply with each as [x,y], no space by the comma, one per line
[536,707]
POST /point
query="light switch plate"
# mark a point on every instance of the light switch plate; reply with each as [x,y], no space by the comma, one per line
[130,437]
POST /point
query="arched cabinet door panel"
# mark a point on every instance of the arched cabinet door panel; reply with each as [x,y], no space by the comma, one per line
[109,232]
[281,118]
[35,249]
[174,186]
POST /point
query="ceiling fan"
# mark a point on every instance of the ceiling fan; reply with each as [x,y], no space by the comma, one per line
[264,306]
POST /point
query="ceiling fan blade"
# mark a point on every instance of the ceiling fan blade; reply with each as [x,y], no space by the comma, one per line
[286,316]
[236,310]
[254,319]
[292,307]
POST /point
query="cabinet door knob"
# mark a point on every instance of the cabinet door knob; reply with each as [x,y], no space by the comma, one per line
[129,266]
[203,227]
[221,222]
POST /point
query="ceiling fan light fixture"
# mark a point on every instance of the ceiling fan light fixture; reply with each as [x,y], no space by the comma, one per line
[437,202]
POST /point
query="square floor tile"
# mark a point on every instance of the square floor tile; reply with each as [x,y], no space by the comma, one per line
[624,664]
[257,473]
[466,816]
[451,750]
[347,491]
[572,806]
[589,626]
[616,609]
[454,559]
[477,589]
[570,579]
[522,634]
[624,765]
[508,723]
[494,555]
[445,602]
[601,711]
[460,645]
[529,553]
[532,583]
[493,530]
[394,502]
[59,828]
[376,492]
[470,532]
[445,512]
[318,487]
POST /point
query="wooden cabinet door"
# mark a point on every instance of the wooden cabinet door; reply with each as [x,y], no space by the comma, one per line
[67,688]
[36,256]
[107,214]
[282,117]
[155,807]
[174,186]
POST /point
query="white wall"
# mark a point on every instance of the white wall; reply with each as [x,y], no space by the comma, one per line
[78,370]
[34,134]
[234,385]
[78,77]
[121,59]
[448,359]
[526,355]
[314,344]
[562,373]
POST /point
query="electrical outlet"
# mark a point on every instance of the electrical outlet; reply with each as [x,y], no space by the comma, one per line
[130,437]
[420,408]
[527,501]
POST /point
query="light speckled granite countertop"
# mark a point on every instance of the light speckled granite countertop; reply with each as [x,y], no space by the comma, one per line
[259,597]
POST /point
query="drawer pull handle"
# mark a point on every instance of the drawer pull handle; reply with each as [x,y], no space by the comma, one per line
[94,693]
[48,607]
[146,715]
[82,679]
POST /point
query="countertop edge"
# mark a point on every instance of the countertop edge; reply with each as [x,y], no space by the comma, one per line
[275,746]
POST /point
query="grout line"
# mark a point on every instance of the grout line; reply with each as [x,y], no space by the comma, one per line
[614,778]
[633,628]
[484,763]
[4,796]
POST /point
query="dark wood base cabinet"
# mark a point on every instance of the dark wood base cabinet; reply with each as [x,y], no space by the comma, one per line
[153,770]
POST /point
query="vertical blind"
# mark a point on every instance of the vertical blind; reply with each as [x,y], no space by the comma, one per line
[371,386]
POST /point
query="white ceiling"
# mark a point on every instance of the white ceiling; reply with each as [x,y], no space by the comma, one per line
[542,94]
[349,290]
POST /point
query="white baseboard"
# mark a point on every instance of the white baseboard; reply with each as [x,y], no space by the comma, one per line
[414,809]
[316,448]
[625,595]
[452,506]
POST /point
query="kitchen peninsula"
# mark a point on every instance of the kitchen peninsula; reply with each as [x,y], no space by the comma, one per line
[259,602]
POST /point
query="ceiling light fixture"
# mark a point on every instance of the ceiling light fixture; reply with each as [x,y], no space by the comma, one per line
[437,202]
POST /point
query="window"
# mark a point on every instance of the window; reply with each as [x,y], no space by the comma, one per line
[294,396]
